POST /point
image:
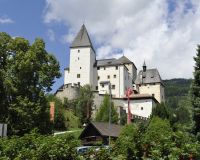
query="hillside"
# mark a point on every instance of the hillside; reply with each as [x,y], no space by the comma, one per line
[176,90]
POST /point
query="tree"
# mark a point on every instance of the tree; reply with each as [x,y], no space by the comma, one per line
[195,92]
[161,111]
[59,120]
[128,137]
[26,73]
[85,102]
[103,112]
[157,139]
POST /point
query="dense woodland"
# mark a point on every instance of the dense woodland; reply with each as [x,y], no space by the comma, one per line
[27,73]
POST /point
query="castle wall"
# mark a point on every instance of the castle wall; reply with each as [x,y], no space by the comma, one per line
[70,92]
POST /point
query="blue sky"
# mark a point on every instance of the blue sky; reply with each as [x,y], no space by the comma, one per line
[164,33]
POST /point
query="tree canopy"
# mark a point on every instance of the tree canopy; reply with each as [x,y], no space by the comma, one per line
[103,113]
[27,71]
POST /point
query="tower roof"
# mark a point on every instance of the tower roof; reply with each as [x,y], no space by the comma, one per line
[124,60]
[82,39]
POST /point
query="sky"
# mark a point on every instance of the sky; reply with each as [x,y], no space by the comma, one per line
[164,33]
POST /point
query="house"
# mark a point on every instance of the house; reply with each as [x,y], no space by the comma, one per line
[96,132]
[84,68]
[149,81]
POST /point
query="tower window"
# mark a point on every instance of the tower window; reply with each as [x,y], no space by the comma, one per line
[98,68]
[116,67]
[114,76]
[113,86]
[96,87]
[102,85]
[78,75]
[141,108]
[104,68]
[78,51]
[98,77]
[80,67]
[108,76]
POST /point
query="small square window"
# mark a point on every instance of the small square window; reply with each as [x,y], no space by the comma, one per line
[80,67]
[113,86]
[116,67]
[114,76]
[78,75]
[98,68]
[108,76]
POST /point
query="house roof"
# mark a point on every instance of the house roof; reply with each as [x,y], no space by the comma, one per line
[124,60]
[82,39]
[103,129]
[148,76]
[113,61]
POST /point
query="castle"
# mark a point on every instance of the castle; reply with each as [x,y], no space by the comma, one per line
[84,69]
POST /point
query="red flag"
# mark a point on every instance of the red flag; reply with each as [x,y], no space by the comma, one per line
[52,110]
[128,93]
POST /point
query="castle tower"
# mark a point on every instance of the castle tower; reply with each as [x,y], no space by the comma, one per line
[82,60]
[149,81]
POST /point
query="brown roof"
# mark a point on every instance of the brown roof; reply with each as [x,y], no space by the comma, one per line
[103,129]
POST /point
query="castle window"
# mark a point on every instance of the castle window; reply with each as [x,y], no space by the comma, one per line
[141,108]
[98,77]
[98,68]
[104,68]
[78,75]
[96,87]
[80,67]
[78,51]
[113,86]
[102,85]
[114,76]
[116,67]
[108,76]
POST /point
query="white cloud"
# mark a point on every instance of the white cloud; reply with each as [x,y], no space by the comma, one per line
[4,20]
[51,35]
[141,29]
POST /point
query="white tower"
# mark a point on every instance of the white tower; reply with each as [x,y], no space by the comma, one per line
[82,60]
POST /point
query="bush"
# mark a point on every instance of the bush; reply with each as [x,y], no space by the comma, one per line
[40,147]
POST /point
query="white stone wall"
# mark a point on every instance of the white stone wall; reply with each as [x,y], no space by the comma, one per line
[132,70]
[154,88]
[119,77]
[142,108]
[81,62]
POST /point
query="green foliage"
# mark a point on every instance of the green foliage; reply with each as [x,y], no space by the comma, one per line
[157,139]
[161,111]
[59,119]
[84,103]
[35,146]
[103,112]
[126,144]
[195,92]
[26,73]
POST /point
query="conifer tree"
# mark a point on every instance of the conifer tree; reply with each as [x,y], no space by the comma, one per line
[195,92]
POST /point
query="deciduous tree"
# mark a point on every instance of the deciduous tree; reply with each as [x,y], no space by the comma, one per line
[27,71]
